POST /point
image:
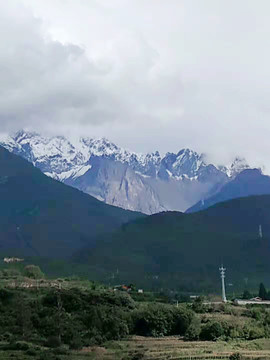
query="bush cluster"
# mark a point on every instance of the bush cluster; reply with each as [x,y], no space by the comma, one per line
[82,318]
[161,320]
[77,318]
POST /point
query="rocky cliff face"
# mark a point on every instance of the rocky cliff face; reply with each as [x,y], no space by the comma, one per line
[147,183]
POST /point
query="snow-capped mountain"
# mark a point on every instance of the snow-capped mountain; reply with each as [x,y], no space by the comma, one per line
[147,183]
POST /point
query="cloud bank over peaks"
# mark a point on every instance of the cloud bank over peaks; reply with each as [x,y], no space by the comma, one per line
[147,75]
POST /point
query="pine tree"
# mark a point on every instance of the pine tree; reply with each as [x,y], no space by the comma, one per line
[262,292]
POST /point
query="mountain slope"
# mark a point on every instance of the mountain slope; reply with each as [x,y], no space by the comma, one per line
[41,216]
[147,183]
[248,182]
[184,251]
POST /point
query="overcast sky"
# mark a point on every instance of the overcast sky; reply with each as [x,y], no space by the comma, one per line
[147,74]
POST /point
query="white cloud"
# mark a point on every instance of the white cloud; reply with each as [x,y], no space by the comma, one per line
[147,74]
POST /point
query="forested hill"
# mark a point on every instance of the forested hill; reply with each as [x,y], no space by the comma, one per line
[176,249]
[41,216]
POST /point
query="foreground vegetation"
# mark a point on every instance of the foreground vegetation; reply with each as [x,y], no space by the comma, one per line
[74,319]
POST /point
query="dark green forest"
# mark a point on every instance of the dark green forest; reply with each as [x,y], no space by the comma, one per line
[175,250]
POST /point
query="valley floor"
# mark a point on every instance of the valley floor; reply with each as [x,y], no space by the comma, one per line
[166,348]
[173,348]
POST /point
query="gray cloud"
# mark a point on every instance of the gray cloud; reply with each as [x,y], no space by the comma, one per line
[44,81]
[146,74]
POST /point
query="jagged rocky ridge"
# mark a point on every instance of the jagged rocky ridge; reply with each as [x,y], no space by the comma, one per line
[146,183]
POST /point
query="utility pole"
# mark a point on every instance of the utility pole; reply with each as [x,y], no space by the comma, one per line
[222,275]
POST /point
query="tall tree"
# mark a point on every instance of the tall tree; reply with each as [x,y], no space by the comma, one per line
[262,291]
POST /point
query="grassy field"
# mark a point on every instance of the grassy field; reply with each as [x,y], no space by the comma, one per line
[174,348]
[167,348]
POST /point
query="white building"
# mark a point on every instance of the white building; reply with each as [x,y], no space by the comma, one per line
[253,301]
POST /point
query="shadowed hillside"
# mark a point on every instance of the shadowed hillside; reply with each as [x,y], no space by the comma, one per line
[174,249]
[41,216]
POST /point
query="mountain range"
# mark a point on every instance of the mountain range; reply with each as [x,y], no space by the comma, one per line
[43,218]
[146,183]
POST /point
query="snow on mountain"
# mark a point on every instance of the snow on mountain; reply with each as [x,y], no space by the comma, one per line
[75,172]
[147,183]
[56,155]
[238,165]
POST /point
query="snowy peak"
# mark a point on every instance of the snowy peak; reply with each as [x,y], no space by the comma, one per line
[185,163]
[238,165]
[100,147]
[144,164]
[144,182]
[50,154]
[8,142]
[188,162]
[22,135]
[57,155]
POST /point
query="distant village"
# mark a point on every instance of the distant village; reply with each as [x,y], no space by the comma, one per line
[12,260]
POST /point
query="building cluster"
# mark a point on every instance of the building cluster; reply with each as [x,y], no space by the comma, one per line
[27,284]
[254,301]
[126,288]
[12,260]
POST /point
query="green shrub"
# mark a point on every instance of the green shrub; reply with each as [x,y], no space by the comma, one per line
[255,332]
[161,320]
[47,355]
[135,355]
[235,356]
[193,331]
[21,345]
[11,273]
[6,295]
[102,324]
[31,352]
[61,350]
[212,331]
[7,336]
[33,272]
[235,332]
[198,305]
[152,320]
[182,319]
[76,344]
[257,313]
[53,342]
